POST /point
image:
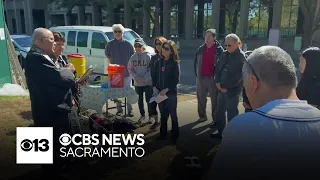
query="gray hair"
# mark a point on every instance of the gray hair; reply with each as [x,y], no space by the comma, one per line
[213,32]
[234,37]
[117,26]
[273,66]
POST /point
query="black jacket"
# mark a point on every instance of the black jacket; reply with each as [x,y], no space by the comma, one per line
[228,70]
[49,86]
[152,63]
[199,56]
[166,75]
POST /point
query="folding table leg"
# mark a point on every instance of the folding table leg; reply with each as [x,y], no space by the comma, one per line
[125,107]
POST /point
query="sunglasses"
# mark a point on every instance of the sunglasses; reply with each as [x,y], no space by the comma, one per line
[137,46]
[166,48]
[117,32]
[252,70]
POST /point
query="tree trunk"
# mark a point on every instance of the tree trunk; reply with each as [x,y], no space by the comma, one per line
[235,20]
[69,17]
[81,14]
[97,15]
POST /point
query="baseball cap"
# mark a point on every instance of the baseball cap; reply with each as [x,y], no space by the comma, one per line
[139,41]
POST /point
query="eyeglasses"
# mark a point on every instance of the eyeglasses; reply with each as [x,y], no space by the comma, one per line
[252,70]
[117,32]
[166,48]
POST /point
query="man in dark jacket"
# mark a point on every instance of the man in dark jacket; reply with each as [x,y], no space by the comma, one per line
[228,79]
[50,91]
[206,57]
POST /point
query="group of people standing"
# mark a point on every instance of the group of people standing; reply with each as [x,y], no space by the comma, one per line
[218,74]
[282,118]
[152,75]
[279,129]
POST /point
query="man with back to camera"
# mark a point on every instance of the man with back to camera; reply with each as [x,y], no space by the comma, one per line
[228,78]
[281,133]
[50,92]
[119,51]
[206,57]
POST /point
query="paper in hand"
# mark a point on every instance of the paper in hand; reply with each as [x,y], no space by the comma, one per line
[158,98]
[87,74]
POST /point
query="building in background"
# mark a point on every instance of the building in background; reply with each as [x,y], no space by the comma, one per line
[183,19]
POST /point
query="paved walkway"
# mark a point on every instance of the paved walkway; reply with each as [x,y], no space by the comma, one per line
[194,137]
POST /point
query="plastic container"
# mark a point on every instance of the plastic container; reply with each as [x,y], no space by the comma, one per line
[79,63]
[116,75]
[105,82]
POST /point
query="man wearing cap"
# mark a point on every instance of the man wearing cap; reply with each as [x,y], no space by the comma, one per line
[118,51]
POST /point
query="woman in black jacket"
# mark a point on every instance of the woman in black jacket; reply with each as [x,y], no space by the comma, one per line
[158,42]
[166,77]
[309,85]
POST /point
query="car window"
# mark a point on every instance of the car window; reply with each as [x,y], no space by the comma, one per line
[82,39]
[71,38]
[128,35]
[24,41]
[98,41]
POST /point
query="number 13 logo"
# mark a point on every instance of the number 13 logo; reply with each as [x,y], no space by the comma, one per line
[37,145]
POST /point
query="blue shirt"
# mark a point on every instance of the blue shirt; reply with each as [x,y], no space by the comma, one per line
[119,51]
[281,134]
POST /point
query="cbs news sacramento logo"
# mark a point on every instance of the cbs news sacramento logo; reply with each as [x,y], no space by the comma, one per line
[34,145]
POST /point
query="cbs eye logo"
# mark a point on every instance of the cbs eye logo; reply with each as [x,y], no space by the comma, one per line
[65,139]
[37,145]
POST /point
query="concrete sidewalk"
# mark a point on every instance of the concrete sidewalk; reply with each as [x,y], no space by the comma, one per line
[187,110]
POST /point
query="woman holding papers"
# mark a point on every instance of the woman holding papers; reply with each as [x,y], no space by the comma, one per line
[166,77]
[138,68]
[154,58]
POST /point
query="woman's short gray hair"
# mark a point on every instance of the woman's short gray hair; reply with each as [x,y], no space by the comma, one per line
[117,26]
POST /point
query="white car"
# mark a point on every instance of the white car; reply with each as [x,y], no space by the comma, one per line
[91,41]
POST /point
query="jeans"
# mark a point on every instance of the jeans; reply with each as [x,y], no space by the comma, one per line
[127,83]
[169,107]
[227,102]
[148,91]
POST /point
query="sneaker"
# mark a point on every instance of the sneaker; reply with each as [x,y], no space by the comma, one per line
[202,120]
[143,120]
[155,125]
[130,114]
[152,120]
[216,134]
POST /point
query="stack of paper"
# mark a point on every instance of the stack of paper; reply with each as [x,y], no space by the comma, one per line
[158,98]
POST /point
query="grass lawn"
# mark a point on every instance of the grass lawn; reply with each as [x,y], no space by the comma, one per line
[162,160]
